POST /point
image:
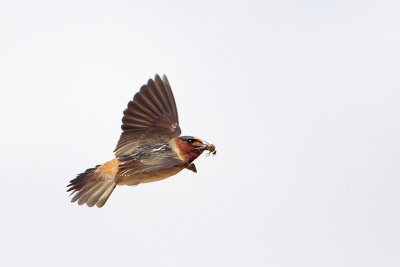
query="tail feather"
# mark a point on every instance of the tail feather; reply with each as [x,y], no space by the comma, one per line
[103,199]
[94,198]
[84,195]
[93,187]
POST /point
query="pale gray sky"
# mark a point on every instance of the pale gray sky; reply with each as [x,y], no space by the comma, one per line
[301,99]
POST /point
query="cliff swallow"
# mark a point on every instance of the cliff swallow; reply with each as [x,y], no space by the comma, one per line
[149,149]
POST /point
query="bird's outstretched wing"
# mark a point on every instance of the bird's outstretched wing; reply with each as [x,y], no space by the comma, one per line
[150,116]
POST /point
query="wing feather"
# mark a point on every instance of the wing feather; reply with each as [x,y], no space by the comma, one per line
[148,165]
[170,97]
[151,115]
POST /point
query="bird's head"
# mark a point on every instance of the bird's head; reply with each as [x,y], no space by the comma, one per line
[192,147]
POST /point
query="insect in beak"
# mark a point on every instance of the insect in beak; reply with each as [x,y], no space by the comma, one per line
[210,147]
[211,150]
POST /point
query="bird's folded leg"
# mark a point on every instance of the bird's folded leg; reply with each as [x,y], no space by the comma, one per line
[191,167]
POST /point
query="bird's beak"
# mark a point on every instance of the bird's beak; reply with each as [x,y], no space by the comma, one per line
[204,145]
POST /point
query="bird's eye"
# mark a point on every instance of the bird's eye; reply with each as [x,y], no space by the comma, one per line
[191,141]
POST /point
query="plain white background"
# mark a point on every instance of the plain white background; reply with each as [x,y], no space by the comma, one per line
[301,99]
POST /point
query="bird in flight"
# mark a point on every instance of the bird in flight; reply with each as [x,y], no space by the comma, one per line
[150,147]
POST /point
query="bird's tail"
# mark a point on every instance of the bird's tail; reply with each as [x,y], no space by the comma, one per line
[95,185]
